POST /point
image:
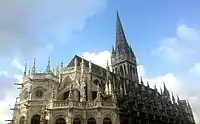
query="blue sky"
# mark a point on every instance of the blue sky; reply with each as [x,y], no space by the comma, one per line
[164,34]
[146,23]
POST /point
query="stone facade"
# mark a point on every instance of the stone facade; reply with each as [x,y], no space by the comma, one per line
[85,93]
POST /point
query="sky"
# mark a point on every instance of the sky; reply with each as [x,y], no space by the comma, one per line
[164,34]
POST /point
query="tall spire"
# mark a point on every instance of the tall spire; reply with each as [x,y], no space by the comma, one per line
[121,43]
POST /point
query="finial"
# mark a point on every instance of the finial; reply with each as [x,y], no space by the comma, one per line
[155,88]
[178,100]
[48,68]
[165,89]
[113,50]
[33,68]
[25,69]
[61,65]
[173,99]
[141,80]
[90,66]
[161,90]
[57,69]
[108,68]
[82,65]
[147,84]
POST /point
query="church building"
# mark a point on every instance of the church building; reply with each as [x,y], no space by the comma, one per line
[85,93]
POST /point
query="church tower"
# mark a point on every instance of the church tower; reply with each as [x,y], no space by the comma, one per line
[123,59]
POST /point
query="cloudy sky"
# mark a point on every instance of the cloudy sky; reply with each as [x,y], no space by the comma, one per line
[165,36]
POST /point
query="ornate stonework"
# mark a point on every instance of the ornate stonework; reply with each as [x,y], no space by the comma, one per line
[83,92]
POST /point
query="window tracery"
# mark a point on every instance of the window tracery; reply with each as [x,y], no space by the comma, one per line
[107,121]
[77,121]
[60,121]
[91,121]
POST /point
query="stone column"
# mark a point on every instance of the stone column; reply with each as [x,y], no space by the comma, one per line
[68,120]
[99,120]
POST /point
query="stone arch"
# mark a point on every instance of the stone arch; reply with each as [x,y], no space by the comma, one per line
[107,120]
[111,115]
[91,120]
[22,120]
[77,120]
[60,120]
[35,119]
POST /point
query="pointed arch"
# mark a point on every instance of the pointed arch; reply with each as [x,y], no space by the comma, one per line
[22,120]
[91,121]
[76,121]
[60,120]
[35,119]
[107,120]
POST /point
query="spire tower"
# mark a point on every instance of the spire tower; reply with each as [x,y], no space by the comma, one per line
[123,60]
[121,43]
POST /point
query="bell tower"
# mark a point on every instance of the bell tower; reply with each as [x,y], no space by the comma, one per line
[123,59]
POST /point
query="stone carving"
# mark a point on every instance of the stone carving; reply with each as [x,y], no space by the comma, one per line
[126,97]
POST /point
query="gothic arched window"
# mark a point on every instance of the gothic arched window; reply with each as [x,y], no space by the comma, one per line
[35,119]
[22,120]
[77,121]
[91,121]
[107,121]
[60,121]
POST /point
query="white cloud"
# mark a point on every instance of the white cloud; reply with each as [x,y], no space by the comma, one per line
[100,58]
[30,26]
[4,73]
[173,83]
[196,69]
[17,65]
[183,45]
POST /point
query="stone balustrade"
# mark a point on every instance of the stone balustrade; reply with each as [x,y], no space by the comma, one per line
[60,104]
[79,105]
